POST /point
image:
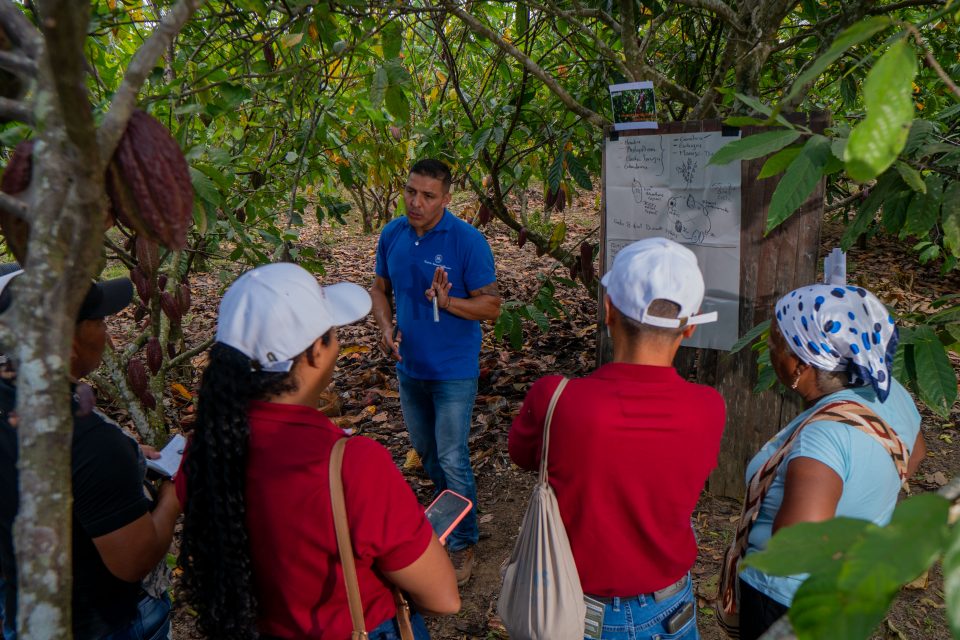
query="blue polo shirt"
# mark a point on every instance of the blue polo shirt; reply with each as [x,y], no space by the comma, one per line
[449,349]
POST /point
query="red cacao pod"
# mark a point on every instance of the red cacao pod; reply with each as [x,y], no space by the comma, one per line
[148,182]
[574,269]
[140,313]
[154,355]
[137,376]
[586,262]
[162,281]
[141,283]
[522,237]
[549,198]
[16,179]
[148,256]
[561,202]
[183,297]
[483,215]
[148,401]
[169,305]
[268,55]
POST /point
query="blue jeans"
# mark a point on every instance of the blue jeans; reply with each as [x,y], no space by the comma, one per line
[152,621]
[438,415]
[389,630]
[643,618]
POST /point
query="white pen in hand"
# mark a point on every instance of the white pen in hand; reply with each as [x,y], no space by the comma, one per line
[436,310]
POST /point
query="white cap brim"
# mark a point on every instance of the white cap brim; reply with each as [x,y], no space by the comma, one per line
[348,302]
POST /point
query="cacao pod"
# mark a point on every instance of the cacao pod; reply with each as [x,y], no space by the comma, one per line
[483,215]
[148,256]
[487,181]
[183,297]
[137,376]
[586,262]
[148,182]
[396,133]
[140,313]
[141,283]
[561,202]
[171,350]
[549,199]
[149,402]
[522,237]
[574,269]
[169,305]
[16,179]
[154,355]
[162,281]
[268,55]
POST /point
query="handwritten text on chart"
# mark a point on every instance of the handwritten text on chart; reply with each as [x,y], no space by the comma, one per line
[645,154]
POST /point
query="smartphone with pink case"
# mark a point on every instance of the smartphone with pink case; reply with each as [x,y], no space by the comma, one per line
[446,512]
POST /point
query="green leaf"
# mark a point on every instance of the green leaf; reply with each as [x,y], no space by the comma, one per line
[755,146]
[895,211]
[558,236]
[392,39]
[911,176]
[542,322]
[516,334]
[950,216]
[579,174]
[397,103]
[924,209]
[854,35]
[750,336]
[936,379]
[555,174]
[951,581]
[779,161]
[744,121]
[799,181]
[379,86]
[876,142]
[808,547]
[821,611]
[522,19]
[204,188]
[887,186]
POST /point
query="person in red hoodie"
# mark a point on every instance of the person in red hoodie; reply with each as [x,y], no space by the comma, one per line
[259,550]
[631,446]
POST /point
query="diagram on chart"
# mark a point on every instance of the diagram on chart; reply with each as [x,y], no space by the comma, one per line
[663,185]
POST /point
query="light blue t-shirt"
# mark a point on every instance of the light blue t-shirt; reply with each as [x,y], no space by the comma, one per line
[448,349]
[870,480]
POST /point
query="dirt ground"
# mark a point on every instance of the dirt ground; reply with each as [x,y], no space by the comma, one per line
[365,398]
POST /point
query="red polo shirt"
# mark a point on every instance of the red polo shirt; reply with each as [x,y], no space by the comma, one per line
[631,447]
[296,566]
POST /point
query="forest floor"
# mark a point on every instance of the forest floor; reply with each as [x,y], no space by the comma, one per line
[364,397]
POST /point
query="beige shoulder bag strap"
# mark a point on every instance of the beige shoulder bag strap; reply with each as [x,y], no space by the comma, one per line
[345,547]
[343,540]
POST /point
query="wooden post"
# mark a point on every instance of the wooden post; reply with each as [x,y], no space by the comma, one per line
[770,266]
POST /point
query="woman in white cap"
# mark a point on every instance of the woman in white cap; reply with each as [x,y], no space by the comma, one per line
[259,550]
[846,455]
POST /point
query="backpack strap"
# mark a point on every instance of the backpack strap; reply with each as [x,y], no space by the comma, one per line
[344,545]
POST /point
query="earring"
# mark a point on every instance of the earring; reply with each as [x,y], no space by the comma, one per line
[796,381]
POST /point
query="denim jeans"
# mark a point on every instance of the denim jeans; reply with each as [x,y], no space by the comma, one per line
[152,621]
[389,630]
[643,618]
[438,414]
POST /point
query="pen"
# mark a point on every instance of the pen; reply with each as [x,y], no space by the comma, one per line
[436,310]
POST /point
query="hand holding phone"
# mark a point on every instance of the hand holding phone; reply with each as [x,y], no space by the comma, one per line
[446,512]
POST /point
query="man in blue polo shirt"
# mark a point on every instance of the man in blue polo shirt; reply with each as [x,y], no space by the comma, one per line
[439,271]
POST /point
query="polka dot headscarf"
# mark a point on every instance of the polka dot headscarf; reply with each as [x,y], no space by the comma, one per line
[841,328]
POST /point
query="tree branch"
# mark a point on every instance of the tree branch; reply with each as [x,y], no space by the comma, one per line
[13,206]
[932,61]
[15,110]
[18,64]
[18,28]
[186,356]
[124,101]
[477,27]
[718,7]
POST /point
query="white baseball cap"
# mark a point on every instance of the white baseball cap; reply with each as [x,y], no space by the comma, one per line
[273,313]
[657,269]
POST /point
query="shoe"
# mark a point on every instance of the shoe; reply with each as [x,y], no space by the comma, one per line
[462,564]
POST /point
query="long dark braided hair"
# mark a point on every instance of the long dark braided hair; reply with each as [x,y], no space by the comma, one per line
[215,551]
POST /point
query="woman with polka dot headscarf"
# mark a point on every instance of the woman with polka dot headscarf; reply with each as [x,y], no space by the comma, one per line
[828,343]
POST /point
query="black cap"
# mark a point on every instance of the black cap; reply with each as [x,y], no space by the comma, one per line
[103,299]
